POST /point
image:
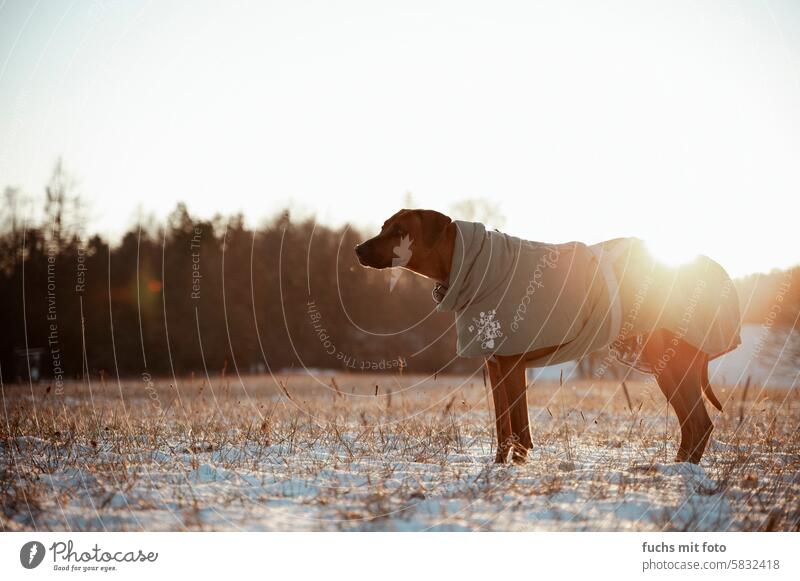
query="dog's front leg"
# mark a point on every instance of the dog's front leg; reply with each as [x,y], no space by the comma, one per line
[505,437]
[513,372]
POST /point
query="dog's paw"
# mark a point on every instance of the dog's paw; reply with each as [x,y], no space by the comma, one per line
[501,457]
[519,458]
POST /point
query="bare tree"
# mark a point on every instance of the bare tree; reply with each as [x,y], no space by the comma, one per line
[63,206]
[11,201]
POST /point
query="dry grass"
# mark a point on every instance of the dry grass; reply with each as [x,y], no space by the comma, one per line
[361,452]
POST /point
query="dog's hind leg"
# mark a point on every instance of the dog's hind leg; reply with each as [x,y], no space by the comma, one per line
[501,411]
[679,373]
[513,370]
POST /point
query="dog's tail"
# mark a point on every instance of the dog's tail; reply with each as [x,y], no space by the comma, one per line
[706,385]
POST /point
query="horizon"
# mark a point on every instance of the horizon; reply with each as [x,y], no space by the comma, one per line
[115,238]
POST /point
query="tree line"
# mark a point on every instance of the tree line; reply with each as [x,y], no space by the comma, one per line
[210,296]
[204,296]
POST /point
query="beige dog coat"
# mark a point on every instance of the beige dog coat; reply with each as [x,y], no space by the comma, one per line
[513,296]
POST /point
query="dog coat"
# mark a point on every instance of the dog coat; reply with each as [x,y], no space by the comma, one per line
[512,296]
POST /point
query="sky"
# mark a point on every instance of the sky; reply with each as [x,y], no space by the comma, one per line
[678,122]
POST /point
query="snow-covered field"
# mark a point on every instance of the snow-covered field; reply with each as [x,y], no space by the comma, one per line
[316,453]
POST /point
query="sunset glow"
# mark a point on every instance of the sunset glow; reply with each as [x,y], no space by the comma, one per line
[565,119]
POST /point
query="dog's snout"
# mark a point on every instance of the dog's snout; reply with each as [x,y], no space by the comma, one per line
[362,252]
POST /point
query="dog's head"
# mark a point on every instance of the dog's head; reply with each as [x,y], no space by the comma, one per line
[406,239]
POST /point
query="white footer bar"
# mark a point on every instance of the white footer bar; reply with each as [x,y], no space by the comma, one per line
[370,556]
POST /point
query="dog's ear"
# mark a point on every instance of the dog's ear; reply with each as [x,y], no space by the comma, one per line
[433,226]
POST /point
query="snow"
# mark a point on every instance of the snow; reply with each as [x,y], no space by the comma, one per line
[420,461]
[464,491]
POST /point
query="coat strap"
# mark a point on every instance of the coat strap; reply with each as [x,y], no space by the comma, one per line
[606,259]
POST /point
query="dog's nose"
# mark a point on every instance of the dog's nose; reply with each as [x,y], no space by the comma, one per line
[359,250]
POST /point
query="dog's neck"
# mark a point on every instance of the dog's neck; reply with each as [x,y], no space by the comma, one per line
[437,263]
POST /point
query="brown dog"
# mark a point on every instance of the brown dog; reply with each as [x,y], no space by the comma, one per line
[682,374]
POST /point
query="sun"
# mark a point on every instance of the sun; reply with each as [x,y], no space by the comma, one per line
[672,251]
